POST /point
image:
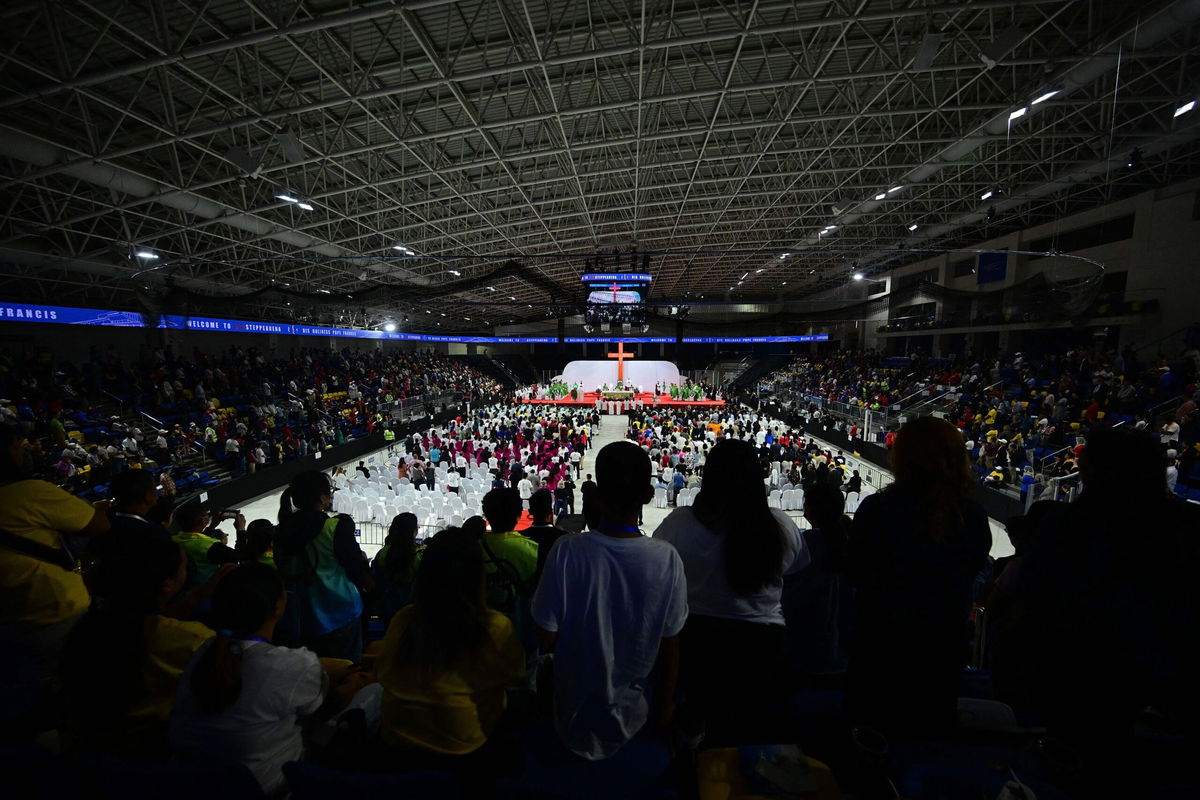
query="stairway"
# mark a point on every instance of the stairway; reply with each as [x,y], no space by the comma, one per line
[758,369]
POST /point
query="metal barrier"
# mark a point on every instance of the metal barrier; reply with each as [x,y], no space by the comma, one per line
[375,533]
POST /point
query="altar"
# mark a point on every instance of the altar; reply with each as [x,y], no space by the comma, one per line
[617,394]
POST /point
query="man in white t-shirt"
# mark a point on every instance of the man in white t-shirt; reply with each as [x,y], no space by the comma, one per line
[610,604]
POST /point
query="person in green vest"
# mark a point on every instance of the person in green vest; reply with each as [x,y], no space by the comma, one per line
[203,543]
[510,561]
[389,436]
[324,570]
[256,543]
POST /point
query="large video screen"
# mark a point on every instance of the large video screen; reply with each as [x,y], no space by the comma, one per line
[608,296]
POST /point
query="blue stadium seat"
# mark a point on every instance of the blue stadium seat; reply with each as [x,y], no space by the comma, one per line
[312,782]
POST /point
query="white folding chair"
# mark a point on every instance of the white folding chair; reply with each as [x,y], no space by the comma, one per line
[660,498]
[775,499]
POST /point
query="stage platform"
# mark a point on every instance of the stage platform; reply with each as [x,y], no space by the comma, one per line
[664,401]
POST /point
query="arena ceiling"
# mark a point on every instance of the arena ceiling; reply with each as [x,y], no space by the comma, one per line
[716,137]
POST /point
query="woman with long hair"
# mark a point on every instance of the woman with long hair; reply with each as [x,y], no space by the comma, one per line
[122,662]
[913,554]
[324,571]
[243,699]
[395,565]
[447,657]
[736,550]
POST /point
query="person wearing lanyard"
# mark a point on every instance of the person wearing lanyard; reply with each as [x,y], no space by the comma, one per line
[611,603]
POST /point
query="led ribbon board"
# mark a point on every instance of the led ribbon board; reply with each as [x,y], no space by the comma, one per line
[62,315]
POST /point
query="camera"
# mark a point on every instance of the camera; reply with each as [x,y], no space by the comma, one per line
[229,513]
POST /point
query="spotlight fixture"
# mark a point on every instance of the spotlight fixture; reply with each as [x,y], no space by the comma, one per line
[895,189]
[1043,97]
[304,206]
[743,277]
[147,255]
[858,276]
[986,194]
[1020,112]
[881,196]
[390,327]
[287,198]
[912,227]
[404,249]
[1183,109]
[1135,158]
[785,255]
[491,288]
[455,272]
[757,271]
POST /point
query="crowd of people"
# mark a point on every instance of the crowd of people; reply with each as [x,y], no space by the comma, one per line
[1023,420]
[136,630]
[243,408]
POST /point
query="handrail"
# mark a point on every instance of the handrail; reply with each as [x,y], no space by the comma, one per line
[157,422]
[1046,458]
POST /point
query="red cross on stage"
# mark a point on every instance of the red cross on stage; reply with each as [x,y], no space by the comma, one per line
[620,355]
[614,287]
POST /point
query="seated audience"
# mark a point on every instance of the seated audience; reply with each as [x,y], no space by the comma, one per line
[122,662]
[914,551]
[736,551]
[611,605]
[324,570]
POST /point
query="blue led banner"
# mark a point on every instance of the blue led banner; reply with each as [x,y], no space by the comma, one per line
[816,337]
[61,315]
[615,339]
[24,312]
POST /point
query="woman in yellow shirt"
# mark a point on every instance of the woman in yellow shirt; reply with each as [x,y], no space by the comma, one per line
[41,595]
[447,658]
[123,661]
